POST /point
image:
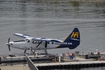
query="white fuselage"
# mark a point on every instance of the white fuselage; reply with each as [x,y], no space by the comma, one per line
[37,45]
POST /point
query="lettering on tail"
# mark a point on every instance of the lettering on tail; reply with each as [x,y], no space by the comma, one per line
[74,35]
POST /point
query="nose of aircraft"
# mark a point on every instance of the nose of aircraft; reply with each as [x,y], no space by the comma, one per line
[9,44]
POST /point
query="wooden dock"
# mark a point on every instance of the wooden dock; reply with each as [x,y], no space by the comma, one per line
[67,65]
[14,67]
[42,63]
[64,65]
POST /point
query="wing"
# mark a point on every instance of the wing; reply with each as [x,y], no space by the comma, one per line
[36,39]
[21,35]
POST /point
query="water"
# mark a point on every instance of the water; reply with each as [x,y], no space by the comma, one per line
[53,20]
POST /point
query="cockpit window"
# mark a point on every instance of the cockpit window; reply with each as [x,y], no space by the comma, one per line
[19,41]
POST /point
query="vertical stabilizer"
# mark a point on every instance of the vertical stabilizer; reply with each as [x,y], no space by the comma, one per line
[73,38]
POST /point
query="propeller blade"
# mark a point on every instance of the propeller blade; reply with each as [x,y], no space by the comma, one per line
[9,44]
[8,40]
[9,47]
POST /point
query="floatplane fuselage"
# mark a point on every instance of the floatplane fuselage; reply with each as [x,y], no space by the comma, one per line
[32,43]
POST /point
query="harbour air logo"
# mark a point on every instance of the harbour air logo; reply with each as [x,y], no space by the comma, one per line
[74,35]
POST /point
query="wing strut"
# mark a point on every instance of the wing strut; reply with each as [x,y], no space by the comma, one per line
[46,44]
[46,48]
[25,50]
[38,44]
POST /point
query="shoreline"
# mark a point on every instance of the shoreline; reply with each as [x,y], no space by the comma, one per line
[71,1]
[94,1]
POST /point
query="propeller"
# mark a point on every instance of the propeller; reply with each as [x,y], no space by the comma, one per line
[9,44]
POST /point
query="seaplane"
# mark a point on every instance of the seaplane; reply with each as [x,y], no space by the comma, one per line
[33,44]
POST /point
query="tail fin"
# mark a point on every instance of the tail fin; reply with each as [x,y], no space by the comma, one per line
[74,38]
